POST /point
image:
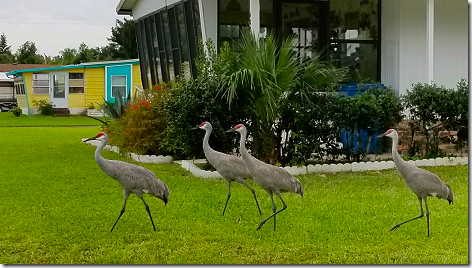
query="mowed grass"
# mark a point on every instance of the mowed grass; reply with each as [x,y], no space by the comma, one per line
[7,119]
[57,207]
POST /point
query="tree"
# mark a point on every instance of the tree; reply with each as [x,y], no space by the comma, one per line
[123,43]
[265,74]
[84,54]
[68,55]
[28,53]
[5,50]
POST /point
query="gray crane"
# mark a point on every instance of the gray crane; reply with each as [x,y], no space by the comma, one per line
[422,182]
[271,178]
[133,178]
[230,167]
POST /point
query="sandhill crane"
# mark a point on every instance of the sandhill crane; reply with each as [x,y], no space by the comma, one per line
[230,167]
[422,182]
[134,179]
[271,178]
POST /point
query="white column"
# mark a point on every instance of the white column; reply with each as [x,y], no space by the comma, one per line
[255,17]
[430,39]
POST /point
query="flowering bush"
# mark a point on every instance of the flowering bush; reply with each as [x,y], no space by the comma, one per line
[142,127]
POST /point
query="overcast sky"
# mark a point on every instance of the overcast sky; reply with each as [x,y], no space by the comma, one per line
[57,24]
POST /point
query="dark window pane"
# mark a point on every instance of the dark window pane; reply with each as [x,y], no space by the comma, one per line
[174,38]
[354,20]
[76,75]
[167,43]
[359,58]
[142,60]
[147,71]
[183,40]
[233,14]
[192,25]
[162,48]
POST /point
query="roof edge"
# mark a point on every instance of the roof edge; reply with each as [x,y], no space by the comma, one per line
[82,65]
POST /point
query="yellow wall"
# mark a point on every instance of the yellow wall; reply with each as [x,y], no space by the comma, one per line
[136,74]
[94,86]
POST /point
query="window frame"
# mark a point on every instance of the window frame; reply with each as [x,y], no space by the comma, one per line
[36,87]
[125,85]
[77,79]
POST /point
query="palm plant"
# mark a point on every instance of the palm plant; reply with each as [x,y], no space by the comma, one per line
[114,110]
[266,74]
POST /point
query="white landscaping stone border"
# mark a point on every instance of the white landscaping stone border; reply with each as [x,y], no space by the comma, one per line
[196,171]
[155,159]
[333,168]
[296,170]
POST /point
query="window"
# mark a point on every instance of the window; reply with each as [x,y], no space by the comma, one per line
[355,38]
[167,42]
[76,83]
[19,86]
[118,84]
[40,83]
[233,16]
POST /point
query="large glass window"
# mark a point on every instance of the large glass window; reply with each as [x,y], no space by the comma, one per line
[40,83]
[167,43]
[233,16]
[354,38]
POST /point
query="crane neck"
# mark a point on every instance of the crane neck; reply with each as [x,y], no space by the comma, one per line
[396,156]
[206,144]
[242,144]
[98,153]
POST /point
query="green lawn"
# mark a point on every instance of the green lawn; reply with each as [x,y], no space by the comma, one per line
[9,120]
[57,207]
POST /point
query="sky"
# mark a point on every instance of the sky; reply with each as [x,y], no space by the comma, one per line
[57,24]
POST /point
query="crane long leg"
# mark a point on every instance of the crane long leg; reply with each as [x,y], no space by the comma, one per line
[126,195]
[417,217]
[427,214]
[149,212]
[229,195]
[253,193]
[275,212]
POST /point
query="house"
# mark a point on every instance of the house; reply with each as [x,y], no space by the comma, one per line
[7,92]
[73,88]
[394,42]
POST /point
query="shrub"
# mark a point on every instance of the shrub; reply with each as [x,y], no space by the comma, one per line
[44,107]
[17,111]
[141,128]
[455,115]
[193,101]
[432,109]
[316,120]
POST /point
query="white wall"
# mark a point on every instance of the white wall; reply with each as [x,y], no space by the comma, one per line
[405,43]
[390,40]
[209,19]
[450,42]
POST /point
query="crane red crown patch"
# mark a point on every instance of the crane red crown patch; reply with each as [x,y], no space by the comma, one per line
[389,131]
[238,126]
[99,135]
[202,124]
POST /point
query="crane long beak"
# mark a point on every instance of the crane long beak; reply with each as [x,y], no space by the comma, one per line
[230,130]
[195,128]
[381,135]
[89,139]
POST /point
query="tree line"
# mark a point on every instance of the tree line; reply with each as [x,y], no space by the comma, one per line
[122,45]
